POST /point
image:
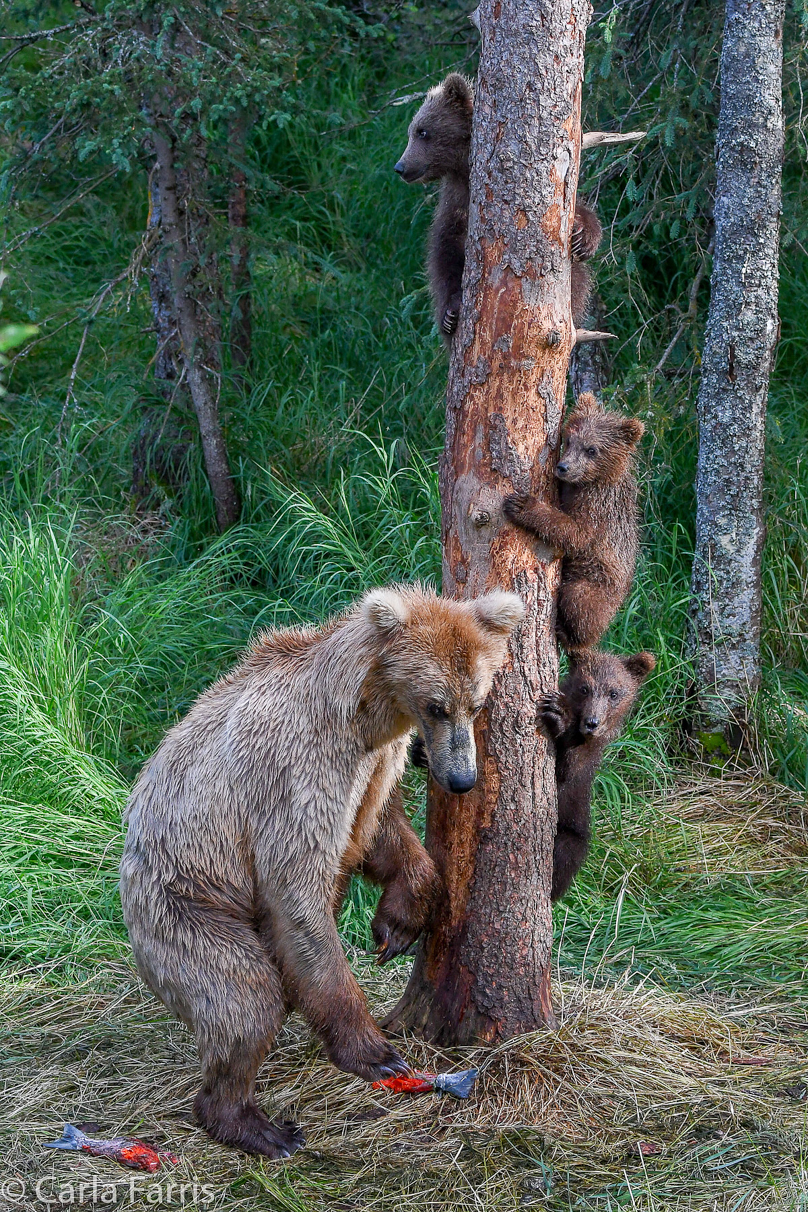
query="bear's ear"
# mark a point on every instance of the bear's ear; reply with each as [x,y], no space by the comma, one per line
[385,609]
[457,89]
[640,664]
[586,404]
[499,612]
[631,430]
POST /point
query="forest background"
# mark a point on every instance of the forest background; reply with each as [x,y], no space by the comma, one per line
[119,601]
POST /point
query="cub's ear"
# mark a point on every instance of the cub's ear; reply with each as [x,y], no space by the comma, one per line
[458,90]
[386,609]
[586,404]
[499,612]
[640,664]
[631,430]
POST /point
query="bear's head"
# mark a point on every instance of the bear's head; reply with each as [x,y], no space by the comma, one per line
[598,445]
[440,133]
[602,688]
[435,663]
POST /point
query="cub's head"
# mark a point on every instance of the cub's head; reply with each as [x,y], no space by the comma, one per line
[435,664]
[598,445]
[440,133]
[602,688]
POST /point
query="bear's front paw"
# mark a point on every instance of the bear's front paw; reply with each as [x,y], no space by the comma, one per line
[586,234]
[552,714]
[392,938]
[448,324]
[515,504]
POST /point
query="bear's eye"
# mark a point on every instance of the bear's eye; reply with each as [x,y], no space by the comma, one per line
[421,133]
[591,451]
[584,691]
[614,696]
[436,711]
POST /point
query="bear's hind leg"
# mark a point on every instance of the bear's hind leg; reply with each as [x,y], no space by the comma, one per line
[208,965]
[225,1105]
[583,613]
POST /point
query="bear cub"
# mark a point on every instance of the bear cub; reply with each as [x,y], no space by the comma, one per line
[595,526]
[582,717]
[438,142]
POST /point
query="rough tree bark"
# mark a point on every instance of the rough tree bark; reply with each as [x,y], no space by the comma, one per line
[194,322]
[742,332]
[160,446]
[484,971]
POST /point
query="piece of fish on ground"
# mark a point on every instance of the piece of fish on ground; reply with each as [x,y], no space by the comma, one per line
[125,1150]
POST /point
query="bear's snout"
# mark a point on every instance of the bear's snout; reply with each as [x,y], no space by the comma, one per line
[460,783]
[399,168]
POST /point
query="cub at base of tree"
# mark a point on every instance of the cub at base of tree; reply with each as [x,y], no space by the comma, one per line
[595,526]
[582,717]
[438,143]
[279,782]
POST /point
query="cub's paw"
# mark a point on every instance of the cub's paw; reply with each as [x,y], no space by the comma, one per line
[552,713]
[515,504]
[418,753]
[448,324]
[586,234]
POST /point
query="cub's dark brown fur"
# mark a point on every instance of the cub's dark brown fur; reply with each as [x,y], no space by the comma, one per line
[595,526]
[439,139]
[582,717]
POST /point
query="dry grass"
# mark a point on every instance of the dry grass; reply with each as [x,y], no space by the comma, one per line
[748,824]
[713,1090]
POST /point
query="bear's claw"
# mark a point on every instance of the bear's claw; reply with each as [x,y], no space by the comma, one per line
[448,324]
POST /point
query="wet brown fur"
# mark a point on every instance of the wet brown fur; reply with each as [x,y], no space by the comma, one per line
[582,717]
[439,139]
[595,526]
[244,826]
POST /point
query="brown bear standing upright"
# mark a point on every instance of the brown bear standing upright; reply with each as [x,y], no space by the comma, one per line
[583,716]
[243,825]
[439,139]
[596,526]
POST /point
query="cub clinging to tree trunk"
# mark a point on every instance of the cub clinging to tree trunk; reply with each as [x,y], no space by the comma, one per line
[439,139]
[582,717]
[595,526]
[244,824]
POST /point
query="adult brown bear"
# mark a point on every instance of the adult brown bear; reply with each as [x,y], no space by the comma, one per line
[243,825]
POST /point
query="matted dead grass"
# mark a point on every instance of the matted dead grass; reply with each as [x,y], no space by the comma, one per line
[736,825]
[641,1099]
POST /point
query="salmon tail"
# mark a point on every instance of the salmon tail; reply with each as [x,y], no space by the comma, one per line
[457,1084]
[71,1138]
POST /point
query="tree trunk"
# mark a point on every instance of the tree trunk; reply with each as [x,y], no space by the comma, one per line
[194,322]
[484,971]
[742,332]
[159,449]
[240,284]
[589,362]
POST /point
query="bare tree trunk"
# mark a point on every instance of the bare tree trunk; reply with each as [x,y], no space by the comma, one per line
[484,971]
[159,451]
[589,362]
[199,345]
[742,333]
[240,283]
